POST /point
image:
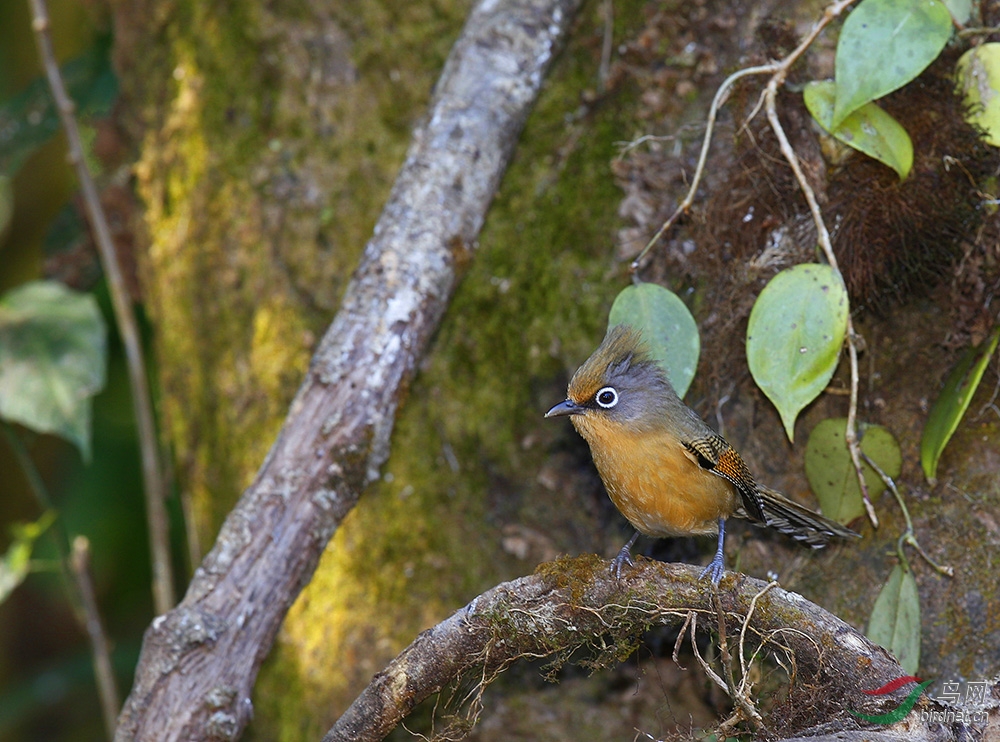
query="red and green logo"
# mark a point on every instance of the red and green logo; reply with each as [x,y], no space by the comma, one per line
[904,708]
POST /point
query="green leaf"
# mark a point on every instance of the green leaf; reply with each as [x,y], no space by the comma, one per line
[796,329]
[883,45]
[30,118]
[977,77]
[667,327]
[831,473]
[16,563]
[895,619]
[954,400]
[869,129]
[52,359]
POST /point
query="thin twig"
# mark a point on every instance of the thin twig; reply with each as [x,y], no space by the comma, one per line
[680,638]
[823,238]
[717,101]
[909,535]
[743,631]
[779,70]
[626,147]
[107,688]
[965,33]
[35,483]
[742,701]
[156,513]
[707,668]
[990,403]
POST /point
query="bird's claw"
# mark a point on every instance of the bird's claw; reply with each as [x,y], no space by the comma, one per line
[718,564]
[716,568]
[624,557]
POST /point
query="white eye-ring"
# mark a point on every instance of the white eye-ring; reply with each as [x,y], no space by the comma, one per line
[607,397]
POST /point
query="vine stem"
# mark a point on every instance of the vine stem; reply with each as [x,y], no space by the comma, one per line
[909,535]
[720,98]
[823,237]
[152,470]
[779,71]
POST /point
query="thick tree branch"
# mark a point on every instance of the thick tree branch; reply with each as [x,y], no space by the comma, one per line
[200,660]
[574,604]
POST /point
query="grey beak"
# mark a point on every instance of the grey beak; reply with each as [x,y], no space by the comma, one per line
[566,407]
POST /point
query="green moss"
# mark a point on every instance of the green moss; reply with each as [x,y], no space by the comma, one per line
[573,573]
[272,146]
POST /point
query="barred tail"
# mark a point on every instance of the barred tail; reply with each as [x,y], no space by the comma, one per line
[800,522]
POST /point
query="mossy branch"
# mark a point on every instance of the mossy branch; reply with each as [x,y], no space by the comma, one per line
[574,603]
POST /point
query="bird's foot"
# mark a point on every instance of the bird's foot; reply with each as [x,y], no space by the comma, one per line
[715,568]
[624,557]
[718,564]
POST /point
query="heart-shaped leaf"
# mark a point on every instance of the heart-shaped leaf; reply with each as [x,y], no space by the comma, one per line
[977,77]
[667,328]
[869,129]
[52,359]
[830,470]
[895,619]
[954,400]
[883,45]
[797,326]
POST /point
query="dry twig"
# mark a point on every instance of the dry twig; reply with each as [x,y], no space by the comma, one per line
[152,470]
[107,687]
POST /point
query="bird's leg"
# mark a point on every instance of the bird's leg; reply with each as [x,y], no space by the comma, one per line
[624,557]
[718,564]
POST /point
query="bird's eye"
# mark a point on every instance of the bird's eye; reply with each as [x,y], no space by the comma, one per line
[607,397]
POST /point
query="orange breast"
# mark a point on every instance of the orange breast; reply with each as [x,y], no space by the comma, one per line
[655,482]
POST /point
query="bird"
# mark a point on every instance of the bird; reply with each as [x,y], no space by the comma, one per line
[664,468]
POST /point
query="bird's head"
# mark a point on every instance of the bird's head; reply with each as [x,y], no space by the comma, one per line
[619,384]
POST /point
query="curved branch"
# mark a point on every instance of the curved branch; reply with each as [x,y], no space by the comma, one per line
[574,603]
[200,660]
